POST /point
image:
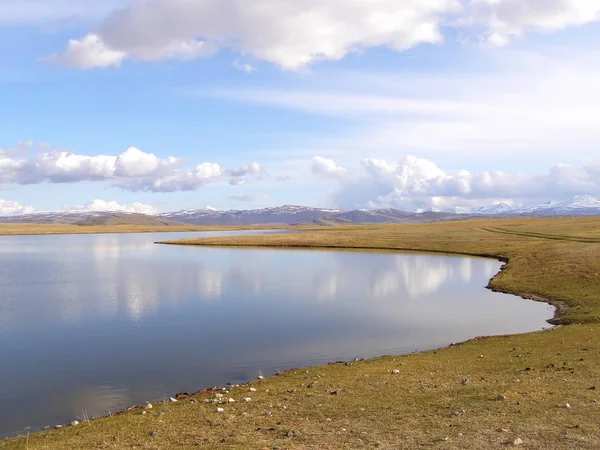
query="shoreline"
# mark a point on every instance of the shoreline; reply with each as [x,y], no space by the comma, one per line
[513,386]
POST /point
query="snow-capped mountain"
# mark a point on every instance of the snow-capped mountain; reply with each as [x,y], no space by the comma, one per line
[581,205]
[584,205]
[499,208]
[279,215]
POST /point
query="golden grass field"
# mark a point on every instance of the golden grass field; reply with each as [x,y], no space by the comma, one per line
[13,229]
[426,404]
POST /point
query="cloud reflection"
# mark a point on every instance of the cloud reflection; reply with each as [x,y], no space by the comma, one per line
[127,275]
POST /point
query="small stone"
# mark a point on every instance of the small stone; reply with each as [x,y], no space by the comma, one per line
[290,434]
[247,399]
[592,388]
[220,410]
[231,400]
[218,395]
[564,405]
[260,377]
[444,439]
[334,392]
[148,405]
[154,434]
[395,371]
[268,414]
[172,400]
[501,398]
[252,389]
[143,412]
[460,435]
[481,356]
[465,381]
[58,427]
[517,442]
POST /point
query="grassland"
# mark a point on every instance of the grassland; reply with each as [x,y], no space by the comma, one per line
[447,398]
[15,229]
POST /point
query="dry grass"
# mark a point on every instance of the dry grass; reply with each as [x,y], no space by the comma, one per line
[425,405]
[14,229]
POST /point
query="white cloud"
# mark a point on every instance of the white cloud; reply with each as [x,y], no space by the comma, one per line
[238,175]
[327,168]
[87,53]
[504,19]
[244,67]
[113,206]
[416,183]
[293,34]
[11,208]
[132,170]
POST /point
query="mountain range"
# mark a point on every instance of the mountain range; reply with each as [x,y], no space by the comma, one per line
[584,205]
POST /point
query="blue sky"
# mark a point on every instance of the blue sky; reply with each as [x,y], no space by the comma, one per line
[166,105]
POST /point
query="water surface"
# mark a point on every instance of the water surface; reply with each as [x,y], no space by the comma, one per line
[98,323]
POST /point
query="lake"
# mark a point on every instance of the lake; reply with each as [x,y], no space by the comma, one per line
[98,323]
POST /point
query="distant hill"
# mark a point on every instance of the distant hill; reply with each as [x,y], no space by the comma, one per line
[90,219]
[584,205]
[303,215]
[129,219]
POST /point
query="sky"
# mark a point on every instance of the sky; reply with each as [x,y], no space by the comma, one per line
[162,105]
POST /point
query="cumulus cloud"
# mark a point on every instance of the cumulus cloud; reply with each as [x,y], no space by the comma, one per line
[294,34]
[238,175]
[12,208]
[112,206]
[327,168]
[132,170]
[504,19]
[87,53]
[418,184]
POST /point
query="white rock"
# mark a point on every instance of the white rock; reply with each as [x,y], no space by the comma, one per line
[218,395]
[74,423]
[517,441]
[252,390]
[247,399]
[231,400]
[564,405]
[172,400]
[220,410]
[396,371]
[148,405]
[260,377]
[58,427]
[501,397]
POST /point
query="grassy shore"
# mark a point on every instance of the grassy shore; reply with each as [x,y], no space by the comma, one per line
[485,393]
[15,229]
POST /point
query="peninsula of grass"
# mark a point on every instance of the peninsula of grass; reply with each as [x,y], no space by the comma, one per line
[539,390]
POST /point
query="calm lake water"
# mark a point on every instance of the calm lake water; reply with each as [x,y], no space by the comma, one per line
[99,323]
